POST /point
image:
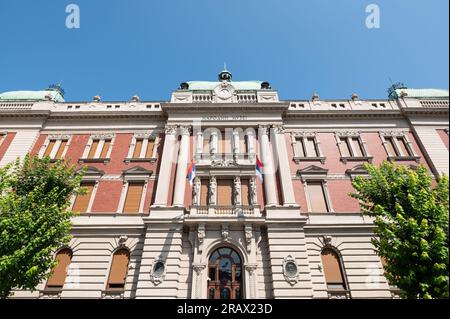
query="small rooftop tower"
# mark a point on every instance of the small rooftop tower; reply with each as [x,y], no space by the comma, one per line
[225,75]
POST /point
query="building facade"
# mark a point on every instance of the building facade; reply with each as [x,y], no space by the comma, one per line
[145,231]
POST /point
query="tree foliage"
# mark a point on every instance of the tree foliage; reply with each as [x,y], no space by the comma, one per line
[411,219]
[34,219]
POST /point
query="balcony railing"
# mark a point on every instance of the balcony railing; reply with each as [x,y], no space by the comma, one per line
[226,156]
[338,294]
[223,211]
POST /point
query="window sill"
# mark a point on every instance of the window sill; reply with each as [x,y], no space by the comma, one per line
[140,160]
[357,159]
[297,160]
[403,158]
[94,160]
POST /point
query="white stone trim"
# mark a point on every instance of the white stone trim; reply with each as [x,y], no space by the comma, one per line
[325,192]
[123,196]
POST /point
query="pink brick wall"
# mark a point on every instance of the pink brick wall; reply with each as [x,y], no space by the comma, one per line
[7,140]
[444,136]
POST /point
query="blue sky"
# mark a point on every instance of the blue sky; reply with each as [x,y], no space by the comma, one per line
[148,47]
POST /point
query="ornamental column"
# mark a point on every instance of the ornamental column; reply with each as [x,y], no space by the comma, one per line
[269,171]
[162,190]
[199,148]
[183,157]
[283,165]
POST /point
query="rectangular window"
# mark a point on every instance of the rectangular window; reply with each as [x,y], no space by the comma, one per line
[106,145]
[82,201]
[224,192]
[345,147]
[138,148]
[390,146]
[299,148]
[357,147]
[403,148]
[316,196]
[245,192]
[310,147]
[93,149]
[149,151]
[60,151]
[225,144]
[49,148]
[243,144]
[133,198]
[206,144]
[204,192]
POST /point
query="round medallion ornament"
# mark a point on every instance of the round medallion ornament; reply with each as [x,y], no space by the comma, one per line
[158,269]
[291,269]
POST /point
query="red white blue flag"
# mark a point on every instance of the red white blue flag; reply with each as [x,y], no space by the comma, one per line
[191,172]
[259,167]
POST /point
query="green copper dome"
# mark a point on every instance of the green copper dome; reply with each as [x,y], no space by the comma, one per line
[55,94]
[423,93]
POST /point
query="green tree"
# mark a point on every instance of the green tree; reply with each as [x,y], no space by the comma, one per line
[34,219]
[411,219]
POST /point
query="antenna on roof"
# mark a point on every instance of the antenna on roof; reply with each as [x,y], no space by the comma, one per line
[225,66]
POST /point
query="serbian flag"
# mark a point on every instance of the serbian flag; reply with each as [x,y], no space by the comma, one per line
[259,167]
[191,172]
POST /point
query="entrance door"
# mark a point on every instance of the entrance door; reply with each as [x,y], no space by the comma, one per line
[225,274]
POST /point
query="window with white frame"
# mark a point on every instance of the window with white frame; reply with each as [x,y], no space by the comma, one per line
[397,146]
[143,147]
[352,147]
[99,147]
[134,190]
[82,203]
[55,146]
[306,147]
[314,181]
[317,198]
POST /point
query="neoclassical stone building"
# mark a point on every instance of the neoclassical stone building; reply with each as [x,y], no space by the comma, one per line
[145,232]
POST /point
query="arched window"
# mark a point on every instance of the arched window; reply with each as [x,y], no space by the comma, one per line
[334,274]
[119,269]
[58,277]
[225,274]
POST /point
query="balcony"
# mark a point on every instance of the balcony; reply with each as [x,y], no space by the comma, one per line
[226,211]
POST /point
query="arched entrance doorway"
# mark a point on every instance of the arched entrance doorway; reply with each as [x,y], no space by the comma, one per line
[225,274]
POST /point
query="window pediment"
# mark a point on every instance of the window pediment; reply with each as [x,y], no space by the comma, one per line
[312,172]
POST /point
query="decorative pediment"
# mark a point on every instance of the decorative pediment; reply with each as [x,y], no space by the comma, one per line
[92,172]
[357,170]
[312,169]
[137,170]
[312,172]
